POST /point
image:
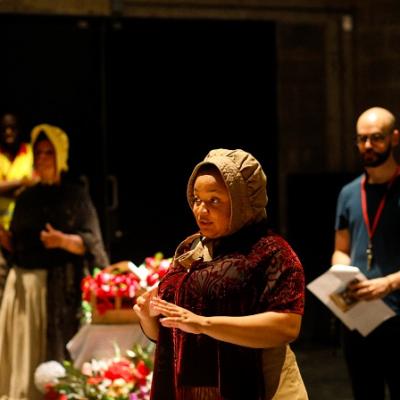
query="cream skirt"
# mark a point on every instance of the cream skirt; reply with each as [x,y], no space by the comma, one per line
[23,322]
[282,376]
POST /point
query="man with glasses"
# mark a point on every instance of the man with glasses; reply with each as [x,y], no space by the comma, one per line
[368,236]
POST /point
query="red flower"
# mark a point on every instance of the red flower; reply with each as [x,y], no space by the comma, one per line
[52,394]
[152,278]
[120,369]
[143,368]
[141,373]
[95,380]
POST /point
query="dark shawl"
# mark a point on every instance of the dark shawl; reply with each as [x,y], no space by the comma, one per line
[68,208]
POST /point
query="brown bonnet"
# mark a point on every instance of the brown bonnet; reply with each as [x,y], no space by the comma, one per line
[246,183]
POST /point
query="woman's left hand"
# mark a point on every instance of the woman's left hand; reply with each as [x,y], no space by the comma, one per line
[55,239]
[178,317]
[52,238]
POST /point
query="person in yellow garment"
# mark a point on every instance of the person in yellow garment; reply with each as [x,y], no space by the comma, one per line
[54,238]
[15,174]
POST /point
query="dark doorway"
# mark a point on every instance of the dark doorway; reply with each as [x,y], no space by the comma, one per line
[195,85]
[311,232]
[143,100]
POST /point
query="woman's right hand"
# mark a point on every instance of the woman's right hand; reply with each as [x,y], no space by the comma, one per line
[147,315]
[142,306]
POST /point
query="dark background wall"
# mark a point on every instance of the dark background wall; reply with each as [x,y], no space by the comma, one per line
[188,86]
[143,101]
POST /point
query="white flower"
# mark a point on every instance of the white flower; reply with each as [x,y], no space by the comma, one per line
[48,373]
[98,366]
[142,272]
[119,382]
[87,369]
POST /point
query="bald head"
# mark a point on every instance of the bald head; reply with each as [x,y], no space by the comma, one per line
[376,118]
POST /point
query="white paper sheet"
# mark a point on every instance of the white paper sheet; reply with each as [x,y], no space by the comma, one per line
[330,288]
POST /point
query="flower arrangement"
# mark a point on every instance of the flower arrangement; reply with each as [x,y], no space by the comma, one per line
[153,269]
[109,294]
[115,282]
[120,378]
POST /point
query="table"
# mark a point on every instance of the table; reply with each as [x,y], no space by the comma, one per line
[97,341]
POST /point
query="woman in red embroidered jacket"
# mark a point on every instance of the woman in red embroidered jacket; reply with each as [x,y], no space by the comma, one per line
[225,312]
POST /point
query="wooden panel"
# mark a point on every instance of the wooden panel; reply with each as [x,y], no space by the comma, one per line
[278,8]
[58,7]
[272,4]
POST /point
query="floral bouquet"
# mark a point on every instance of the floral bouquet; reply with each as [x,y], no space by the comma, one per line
[152,270]
[114,283]
[109,295]
[119,378]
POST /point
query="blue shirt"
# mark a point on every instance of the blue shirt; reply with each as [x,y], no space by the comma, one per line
[386,239]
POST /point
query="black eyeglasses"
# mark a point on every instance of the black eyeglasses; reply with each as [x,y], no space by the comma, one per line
[375,138]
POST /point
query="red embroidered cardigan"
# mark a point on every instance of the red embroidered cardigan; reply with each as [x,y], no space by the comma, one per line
[252,271]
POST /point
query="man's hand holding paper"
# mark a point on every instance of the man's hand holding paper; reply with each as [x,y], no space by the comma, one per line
[371,289]
[344,288]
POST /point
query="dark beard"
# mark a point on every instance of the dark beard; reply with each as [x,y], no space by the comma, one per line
[379,158]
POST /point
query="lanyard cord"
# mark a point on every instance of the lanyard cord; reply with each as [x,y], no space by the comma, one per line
[371,230]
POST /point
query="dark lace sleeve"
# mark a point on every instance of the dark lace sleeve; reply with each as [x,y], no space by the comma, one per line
[88,227]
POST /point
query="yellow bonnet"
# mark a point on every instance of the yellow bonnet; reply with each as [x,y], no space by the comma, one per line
[59,140]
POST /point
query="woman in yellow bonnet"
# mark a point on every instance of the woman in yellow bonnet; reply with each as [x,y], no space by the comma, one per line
[54,234]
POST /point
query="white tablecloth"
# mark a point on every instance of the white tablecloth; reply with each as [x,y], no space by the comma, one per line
[96,341]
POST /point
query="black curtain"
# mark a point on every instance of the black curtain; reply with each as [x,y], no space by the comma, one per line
[144,100]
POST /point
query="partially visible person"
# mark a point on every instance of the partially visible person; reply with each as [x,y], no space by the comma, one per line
[368,236]
[233,298]
[16,166]
[54,234]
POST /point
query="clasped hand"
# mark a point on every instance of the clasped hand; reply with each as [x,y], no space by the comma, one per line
[177,317]
[51,238]
[149,305]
